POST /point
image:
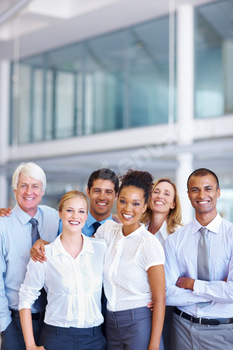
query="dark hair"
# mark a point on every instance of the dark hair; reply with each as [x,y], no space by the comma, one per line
[104,174]
[203,172]
[139,179]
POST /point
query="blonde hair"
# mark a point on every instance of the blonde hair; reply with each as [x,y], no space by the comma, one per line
[174,217]
[69,195]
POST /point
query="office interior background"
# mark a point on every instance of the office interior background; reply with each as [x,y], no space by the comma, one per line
[142,84]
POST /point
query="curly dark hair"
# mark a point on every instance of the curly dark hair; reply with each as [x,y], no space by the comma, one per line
[139,179]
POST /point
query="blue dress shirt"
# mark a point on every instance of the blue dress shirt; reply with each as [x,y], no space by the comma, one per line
[88,229]
[181,260]
[15,245]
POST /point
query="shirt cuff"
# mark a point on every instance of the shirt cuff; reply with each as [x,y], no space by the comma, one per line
[199,287]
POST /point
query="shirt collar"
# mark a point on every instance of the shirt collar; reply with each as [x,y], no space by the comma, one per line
[163,230]
[90,220]
[57,247]
[213,226]
[23,216]
[134,233]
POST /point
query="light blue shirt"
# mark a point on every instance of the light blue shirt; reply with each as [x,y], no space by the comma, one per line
[88,229]
[181,249]
[15,245]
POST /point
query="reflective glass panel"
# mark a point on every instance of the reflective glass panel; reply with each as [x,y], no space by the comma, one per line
[213,59]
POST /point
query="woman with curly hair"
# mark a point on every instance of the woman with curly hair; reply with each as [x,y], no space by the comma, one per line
[133,271]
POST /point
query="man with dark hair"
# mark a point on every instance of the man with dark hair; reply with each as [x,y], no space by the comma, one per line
[199,272]
[203,172]
[102,189]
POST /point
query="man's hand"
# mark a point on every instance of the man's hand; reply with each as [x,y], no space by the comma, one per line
[185,282]
[5,211]
[38,251]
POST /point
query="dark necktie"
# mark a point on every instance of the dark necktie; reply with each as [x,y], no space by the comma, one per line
[34,232]
[41,302]
[95,226]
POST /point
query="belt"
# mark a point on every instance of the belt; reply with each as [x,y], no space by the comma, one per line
[35,316]
[207,321]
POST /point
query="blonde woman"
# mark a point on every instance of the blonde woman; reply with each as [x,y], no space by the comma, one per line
[162,218]
[72,277]
[163,215]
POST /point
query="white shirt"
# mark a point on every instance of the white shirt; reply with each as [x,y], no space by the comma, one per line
[181,250]
[162,234]
[74,286]
[127,260]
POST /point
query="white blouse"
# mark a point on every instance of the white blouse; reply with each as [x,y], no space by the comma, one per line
[127,260]
[73,286]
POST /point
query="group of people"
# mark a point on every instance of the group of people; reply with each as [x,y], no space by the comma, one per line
[74,251]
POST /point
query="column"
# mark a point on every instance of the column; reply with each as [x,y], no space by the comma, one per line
[4,129]
[185,97]
[227,50]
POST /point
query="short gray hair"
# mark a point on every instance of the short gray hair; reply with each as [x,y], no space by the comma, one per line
[29,169]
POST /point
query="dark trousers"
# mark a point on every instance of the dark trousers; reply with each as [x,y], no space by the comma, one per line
[12,338]
[129,329]
[166,335]
[61,338]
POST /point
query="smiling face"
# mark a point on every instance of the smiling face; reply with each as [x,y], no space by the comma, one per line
[28,194]
[73,214]
[130,206]
[203,194]
[101,195]
[162,198]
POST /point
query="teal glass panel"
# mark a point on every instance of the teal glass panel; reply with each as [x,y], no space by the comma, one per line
[213,59]
[22,118]
[104,83]
[149,73]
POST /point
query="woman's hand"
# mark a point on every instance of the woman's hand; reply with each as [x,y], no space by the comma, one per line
[34,347]
[153,346]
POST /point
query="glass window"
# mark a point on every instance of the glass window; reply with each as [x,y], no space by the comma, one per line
[23,106]
[114,81]
[148,73]
[104,83]
[213,59]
